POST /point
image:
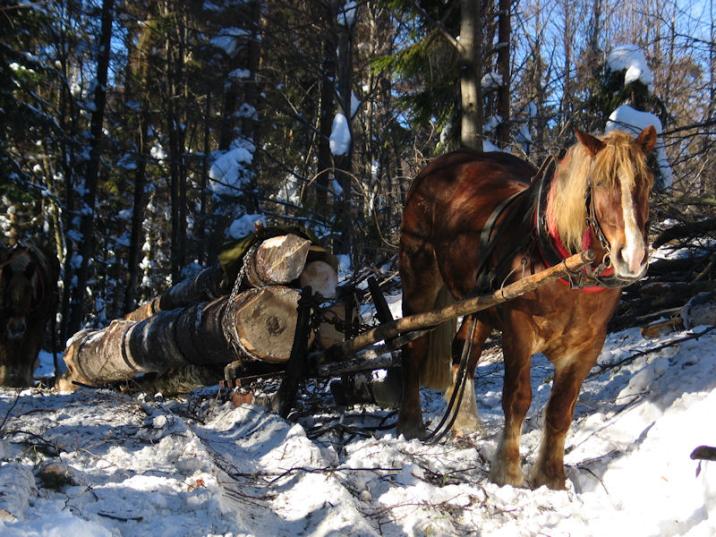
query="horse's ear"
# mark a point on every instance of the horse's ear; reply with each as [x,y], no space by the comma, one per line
[647,139]
[595,145]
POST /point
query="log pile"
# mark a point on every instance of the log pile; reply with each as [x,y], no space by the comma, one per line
[664,300]
[209,320]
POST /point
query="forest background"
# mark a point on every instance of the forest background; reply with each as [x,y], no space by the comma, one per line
[137,137]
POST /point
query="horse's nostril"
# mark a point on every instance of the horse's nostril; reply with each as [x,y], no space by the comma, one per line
[620,256]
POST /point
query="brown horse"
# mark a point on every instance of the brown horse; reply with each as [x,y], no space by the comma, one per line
[475,221]
[28,283]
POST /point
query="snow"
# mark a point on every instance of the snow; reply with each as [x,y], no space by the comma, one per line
[228,39]
[157,152]
[143,466]
[245,225]
[229,172]
[631,59]
[246,111]
[627,118]
[239,74]
[289,191]
[340,140]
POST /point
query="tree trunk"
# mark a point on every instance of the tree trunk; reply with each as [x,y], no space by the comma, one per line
[328,89]
[92,170]
[344,163]
[202,218]
[503,65]
[470,49]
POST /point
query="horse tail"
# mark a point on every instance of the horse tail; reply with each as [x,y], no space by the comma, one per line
[435,371]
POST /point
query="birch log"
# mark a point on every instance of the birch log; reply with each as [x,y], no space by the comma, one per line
[257,324]
[278,260]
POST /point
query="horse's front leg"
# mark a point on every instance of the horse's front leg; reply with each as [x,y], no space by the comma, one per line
[516,399]
[571,368]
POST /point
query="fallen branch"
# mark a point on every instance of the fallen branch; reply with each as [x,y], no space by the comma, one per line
[687,229]
[631,358]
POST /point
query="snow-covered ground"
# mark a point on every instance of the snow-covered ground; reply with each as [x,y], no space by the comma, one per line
[97,463]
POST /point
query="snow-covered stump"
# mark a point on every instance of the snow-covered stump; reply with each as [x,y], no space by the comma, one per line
[258,324]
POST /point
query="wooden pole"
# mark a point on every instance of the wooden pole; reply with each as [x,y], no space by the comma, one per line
[464,307]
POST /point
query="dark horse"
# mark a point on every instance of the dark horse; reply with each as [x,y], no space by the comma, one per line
[491,218]
[28,283]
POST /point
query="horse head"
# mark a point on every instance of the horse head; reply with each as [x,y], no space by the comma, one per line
[602,200]
[20,288]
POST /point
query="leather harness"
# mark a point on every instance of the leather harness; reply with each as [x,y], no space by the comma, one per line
[546,243]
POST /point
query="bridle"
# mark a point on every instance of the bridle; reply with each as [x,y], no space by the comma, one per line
[602,276]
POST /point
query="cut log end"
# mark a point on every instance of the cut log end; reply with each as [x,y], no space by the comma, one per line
[266,322]
[278,260]
[321,278]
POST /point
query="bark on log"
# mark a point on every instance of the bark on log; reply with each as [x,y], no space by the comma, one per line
[205,286]
[209,333]
[278,260]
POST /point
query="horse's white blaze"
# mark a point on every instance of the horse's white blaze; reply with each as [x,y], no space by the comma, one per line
[634,247]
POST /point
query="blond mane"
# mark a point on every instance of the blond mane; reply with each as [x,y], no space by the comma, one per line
[620,163]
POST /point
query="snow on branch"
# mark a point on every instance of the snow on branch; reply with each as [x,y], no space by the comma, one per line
[627,118]
[631,59]
[340,140]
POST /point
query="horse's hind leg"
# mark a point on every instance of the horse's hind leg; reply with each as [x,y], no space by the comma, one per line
[422,283]
[570,371]
[516,399]
[467,420]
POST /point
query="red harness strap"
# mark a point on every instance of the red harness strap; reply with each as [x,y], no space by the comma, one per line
[562,250]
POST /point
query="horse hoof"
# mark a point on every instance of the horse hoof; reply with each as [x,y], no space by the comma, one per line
[538,479]
[501,477]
